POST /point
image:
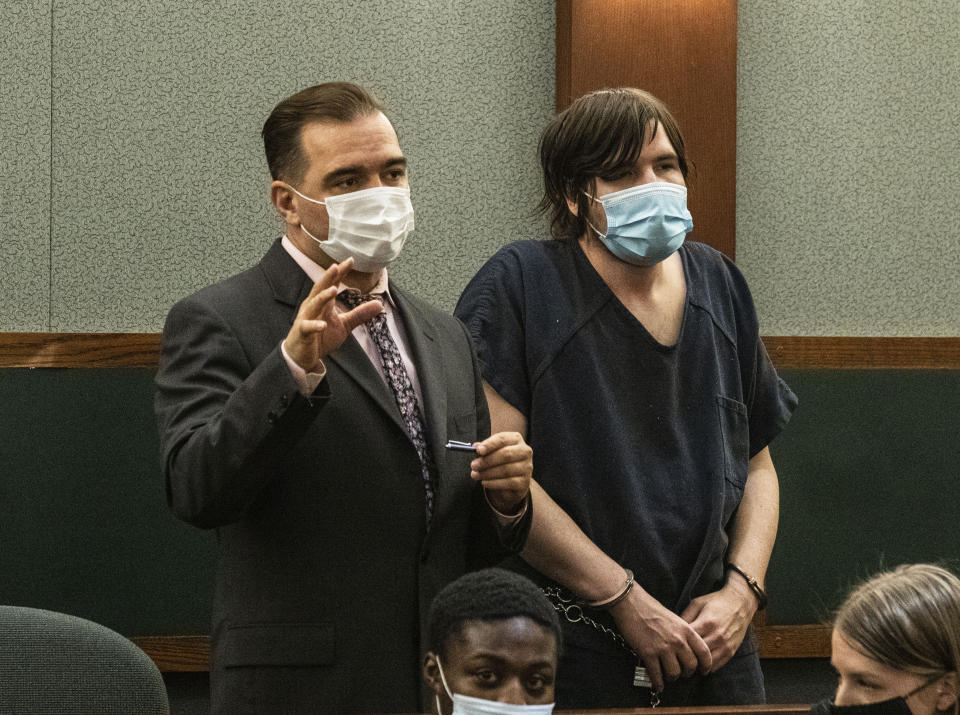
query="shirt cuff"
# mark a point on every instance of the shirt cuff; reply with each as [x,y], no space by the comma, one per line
[505,519]
[306,381]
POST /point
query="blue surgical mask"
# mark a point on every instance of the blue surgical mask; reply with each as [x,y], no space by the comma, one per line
[645,224]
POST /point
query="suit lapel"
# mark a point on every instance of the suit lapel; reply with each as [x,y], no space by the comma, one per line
[290,287]
[426,355]
[351,358]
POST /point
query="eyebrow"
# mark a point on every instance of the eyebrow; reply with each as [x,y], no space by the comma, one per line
[500,660]
[354,169]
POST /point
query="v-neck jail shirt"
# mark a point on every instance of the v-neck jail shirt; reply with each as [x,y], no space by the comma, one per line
[645,446]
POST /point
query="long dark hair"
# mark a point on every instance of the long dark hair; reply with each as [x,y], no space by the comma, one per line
[600,135]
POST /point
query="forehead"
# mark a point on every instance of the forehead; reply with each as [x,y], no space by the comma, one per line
[629,152]
[519,639]
[369,141]
[656,141]
[848,660]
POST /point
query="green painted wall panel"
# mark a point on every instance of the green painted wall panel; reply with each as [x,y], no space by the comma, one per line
[84,525]
[868,471]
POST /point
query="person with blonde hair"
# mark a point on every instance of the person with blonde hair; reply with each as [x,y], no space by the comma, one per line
[896,644]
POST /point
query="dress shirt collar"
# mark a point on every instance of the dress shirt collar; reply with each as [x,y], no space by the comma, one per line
[315,271]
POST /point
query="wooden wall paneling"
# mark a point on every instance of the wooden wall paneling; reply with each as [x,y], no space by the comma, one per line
[790,352]
[685,53]
[79,349]
[826,353]
[192,653]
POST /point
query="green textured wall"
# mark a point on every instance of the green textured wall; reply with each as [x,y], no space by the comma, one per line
[25,165]
[132,165]
[131,169]
[848,163]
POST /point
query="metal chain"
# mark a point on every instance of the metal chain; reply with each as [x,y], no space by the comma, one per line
[573,612]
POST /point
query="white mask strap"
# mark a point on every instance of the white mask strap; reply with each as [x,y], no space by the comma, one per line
[442,679]
[322,203]
[304,229]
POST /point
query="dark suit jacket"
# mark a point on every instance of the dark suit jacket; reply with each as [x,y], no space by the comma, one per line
[324,572]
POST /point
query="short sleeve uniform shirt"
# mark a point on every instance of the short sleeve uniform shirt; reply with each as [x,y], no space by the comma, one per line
[645,446]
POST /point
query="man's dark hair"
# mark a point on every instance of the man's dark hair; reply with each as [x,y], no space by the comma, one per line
[600,135]
[487,595]
[330,102]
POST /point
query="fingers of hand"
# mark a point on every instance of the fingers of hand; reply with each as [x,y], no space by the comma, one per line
[316,303]
[311,327]
[335,273]
[361,314]
[670,664]
[504,450]
[702,653]
[654,673]
[498,441]
[484,469]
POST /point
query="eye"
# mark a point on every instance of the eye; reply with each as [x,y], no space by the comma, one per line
[397,174]
[347,183]
[486,678]
[536,684]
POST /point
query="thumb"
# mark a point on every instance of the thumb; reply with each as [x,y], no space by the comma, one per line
[691,612]
[361,314]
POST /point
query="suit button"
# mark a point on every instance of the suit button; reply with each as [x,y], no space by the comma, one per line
[272,418]
[283,400]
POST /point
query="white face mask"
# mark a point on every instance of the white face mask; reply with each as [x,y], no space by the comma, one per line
[466,705]
[370,225]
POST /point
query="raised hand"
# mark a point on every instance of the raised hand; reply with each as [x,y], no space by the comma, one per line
[320,327]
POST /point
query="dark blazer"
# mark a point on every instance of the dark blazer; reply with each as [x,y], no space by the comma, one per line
[325,572]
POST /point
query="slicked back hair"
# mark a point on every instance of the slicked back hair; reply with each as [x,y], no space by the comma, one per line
[329,102]
[600,135]
[487,595]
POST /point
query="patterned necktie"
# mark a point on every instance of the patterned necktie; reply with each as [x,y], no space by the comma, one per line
[400,385]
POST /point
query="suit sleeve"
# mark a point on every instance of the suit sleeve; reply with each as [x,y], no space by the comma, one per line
[224,422]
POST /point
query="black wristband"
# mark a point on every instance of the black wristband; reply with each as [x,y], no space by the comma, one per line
[754,586]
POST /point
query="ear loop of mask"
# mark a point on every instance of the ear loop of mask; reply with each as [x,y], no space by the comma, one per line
[445,686]
[592,198]
[315,201]
[933,679]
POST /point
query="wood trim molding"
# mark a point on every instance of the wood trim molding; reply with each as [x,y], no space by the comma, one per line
[804,641]
[562,63]
[93,350]
[828,353]
[79,349]
[177,654]
[182,654]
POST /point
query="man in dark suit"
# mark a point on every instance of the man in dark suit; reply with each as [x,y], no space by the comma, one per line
[307,423]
